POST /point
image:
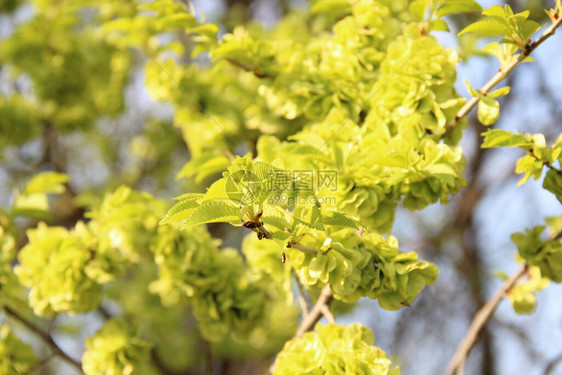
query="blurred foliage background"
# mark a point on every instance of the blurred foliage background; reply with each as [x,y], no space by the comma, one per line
[74,101]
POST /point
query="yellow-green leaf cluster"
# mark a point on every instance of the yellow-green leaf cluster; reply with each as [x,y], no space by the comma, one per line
[116,349]
[334,350]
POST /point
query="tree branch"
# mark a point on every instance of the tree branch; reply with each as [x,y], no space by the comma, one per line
[503,73]
[480,319]
[55,349]
[302,248]
[302,295]
[316,313]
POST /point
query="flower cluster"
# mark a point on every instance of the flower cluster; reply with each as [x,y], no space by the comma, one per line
[334,349]
[115,349]
[366,264]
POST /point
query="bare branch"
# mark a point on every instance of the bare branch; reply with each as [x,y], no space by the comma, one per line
[55,349]
[315,314]
[552,364]
[457,363]
[302,295]
[328,314]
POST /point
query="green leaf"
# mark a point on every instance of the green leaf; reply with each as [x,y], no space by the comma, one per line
[218,191]
[189,196]
[182,209]
[458,6]
[214,212]
[439,25]
[553,183]
[204,167]
[274,215]
[308,215]
[530,166]
[487,28]
[32,205]
[528,28]
[499,137]
[495,11]
[488,110]
[500,92]
[475,93]
[338,219]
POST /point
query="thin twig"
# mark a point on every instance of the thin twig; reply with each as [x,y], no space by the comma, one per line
[315,314]
[55,349]
[40,364]
[552,364]
[328,314]
[302,295]
[480,319]
[320,308]
[503,73]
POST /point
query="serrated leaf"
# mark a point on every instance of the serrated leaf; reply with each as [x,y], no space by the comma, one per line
[214,212]
[217,191]
[275,216]
[181,210]
[190,196]
[338,219]
[308,215]
[263,170]
[487,28]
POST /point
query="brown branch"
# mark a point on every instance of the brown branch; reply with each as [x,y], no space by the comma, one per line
[503,73]
[55,349]
[302,295]
[264,233]
[457,362]
[552,364]
[302,248]
[328,314]
[316,313]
